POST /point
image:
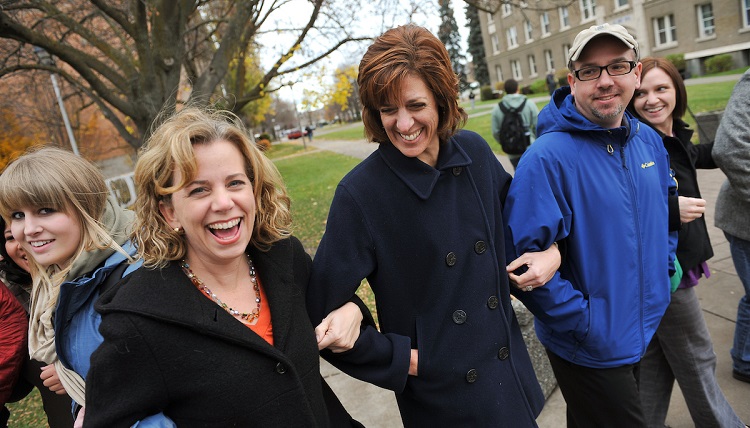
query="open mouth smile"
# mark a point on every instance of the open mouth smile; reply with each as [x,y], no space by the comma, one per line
[411,137]
[226,229]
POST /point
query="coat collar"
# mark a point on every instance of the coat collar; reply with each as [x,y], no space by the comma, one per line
[417,175]
[170,297]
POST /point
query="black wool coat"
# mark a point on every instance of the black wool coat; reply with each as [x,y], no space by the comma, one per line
[169,348]
[431,243]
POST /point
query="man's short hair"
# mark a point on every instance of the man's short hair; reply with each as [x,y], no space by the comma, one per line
[511,86]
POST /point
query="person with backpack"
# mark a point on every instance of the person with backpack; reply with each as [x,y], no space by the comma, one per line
[514,122]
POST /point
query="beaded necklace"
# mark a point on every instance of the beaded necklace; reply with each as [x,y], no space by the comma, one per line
[248,317]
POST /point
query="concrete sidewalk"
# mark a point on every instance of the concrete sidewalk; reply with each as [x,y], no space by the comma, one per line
[375,407]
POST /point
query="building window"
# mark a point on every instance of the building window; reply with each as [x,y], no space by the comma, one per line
[490,17]
[544,21]
[705,20]
[507,9]
[499,73]
[528,31]
[566,50]
[562,11]
[665,30]
[548,59]
[532,65]
[495,44]
[515,67]
[621,4]
[588,9]
[512,38]
[746,13]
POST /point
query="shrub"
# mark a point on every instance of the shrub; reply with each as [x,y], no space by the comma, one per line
[264,142]
[526,90]
[539,87]
[719,63]
[562,77]
[485,93]
[678,60]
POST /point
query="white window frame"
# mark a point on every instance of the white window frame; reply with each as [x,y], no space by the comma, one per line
[544,24]
[566,50]
[665,25]
[745,13]
[495,43]
[588,10]
[507,9]
[706,22]
[512,35]
[528,31]
[499,73]
[549,61]
[490,17]
[532,66]
[515,67]
[562,11]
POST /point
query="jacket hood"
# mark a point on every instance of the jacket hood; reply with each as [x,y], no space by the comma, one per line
[514,100]
[561,115]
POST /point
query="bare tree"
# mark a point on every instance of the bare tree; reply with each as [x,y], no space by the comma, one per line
[129,57]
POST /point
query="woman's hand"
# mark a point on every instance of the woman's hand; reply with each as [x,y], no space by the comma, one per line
[691,208]
[51,380]
[340,329]
[541,267]
[414,363]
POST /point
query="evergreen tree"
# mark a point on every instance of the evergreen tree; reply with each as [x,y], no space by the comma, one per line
[451,38]
[476,45]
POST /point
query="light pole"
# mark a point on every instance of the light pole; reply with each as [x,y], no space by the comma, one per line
[296,115]
[46,59]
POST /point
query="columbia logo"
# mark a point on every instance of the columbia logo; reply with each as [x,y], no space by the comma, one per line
[647,165]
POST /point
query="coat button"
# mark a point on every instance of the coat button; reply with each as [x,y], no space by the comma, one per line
[480,247]
[280,368]
[503,353]
[492,302]
[459,317]
[457,171]
[450,259]
[472,375]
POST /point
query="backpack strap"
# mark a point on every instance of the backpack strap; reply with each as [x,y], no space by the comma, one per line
[506,110]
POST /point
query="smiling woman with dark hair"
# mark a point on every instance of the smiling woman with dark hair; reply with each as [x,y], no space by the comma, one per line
[421,219]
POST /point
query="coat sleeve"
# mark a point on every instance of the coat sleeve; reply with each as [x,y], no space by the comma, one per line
[124,384]
[536,215]
[346,256]
[731,149]
[14,327]
[701,155]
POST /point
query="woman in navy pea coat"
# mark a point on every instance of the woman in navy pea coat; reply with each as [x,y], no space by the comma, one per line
[421,219]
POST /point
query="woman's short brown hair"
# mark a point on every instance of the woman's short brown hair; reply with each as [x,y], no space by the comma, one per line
[652,62]
[400,52]
[170,148]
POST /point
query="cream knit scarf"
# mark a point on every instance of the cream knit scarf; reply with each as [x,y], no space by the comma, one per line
[116,221]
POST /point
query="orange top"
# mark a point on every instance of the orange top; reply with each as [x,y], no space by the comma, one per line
[263,326]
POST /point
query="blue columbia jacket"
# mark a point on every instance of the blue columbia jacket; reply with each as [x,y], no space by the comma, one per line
[603,193]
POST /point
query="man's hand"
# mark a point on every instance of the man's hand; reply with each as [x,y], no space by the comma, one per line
[541,267]
[51,380]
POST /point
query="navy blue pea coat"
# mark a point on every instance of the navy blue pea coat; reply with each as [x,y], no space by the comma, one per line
[430,242]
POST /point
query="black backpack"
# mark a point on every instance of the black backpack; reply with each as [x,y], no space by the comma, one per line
[514,137]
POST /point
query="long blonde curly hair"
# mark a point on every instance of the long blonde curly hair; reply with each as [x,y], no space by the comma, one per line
[170,149]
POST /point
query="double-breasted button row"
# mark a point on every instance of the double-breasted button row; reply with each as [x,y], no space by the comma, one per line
[457,170]
[480,247]
[472,376]
[280,368]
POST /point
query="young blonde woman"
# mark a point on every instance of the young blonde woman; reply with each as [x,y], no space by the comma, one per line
[59,212]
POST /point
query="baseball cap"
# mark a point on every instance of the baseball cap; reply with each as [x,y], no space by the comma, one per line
[614,30]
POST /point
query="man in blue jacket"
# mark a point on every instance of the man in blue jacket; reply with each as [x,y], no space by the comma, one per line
[597,180]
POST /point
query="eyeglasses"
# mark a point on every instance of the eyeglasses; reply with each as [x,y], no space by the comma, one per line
[619,68]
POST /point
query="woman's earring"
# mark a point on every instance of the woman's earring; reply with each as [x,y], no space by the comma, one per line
[179,230]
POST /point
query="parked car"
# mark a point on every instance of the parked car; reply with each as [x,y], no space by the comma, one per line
[294,134]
